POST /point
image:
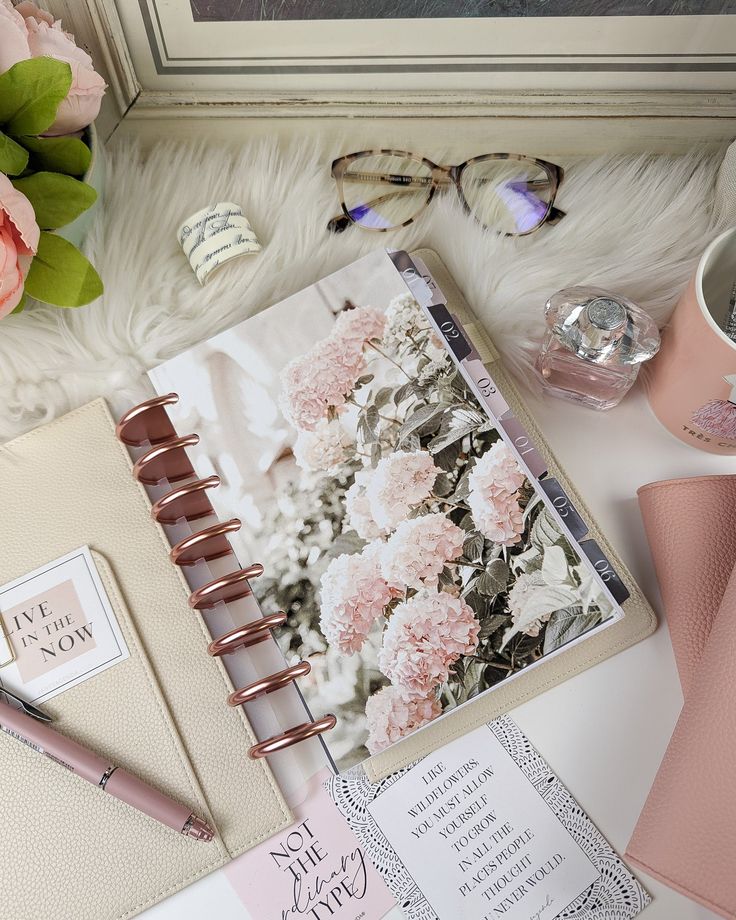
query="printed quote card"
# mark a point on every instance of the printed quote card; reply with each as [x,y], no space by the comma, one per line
[482,830]
[59,627]
[315,869]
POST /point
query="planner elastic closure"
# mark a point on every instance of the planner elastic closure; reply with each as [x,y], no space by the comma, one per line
[147,425]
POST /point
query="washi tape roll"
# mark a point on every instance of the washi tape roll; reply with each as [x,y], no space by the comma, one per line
[216,235]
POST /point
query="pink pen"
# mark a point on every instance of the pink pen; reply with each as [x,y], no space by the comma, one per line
[34,731]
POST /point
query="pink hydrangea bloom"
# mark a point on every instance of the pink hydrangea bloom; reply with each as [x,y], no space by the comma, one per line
[319,380]
[399,483]
[360,324]
[353,595]
[322,448]
[390,716]
[424,637]
[419,548]
[358,515]
[493,484]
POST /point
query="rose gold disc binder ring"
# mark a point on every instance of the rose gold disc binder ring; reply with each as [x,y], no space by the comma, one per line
[225,589]
[147,422]
[293,736]
[167,460]
[210,543]
[269,684]
[188,501]
[245,636]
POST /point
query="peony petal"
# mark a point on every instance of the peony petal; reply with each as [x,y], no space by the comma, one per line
[48,41]
[26,9]
[13,37]
[21,215]
[11,275]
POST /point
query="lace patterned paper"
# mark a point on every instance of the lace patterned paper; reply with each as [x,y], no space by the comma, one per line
[615,895]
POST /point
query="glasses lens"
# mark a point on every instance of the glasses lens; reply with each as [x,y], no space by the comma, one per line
[382,191]
[512,196]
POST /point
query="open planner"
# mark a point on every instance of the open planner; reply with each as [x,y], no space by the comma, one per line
[332,533]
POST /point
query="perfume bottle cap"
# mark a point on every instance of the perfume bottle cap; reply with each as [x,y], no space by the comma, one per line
[601,327]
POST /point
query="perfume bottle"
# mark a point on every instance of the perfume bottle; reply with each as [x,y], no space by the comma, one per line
[594,346]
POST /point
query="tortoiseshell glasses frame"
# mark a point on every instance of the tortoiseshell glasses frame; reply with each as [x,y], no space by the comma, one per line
[440,177]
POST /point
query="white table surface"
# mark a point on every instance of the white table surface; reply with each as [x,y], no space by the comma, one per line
[604,732]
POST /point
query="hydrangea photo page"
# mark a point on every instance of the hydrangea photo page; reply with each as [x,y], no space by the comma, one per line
[418,564]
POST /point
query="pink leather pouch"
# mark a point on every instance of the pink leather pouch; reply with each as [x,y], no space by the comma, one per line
[686,834]
[691,529]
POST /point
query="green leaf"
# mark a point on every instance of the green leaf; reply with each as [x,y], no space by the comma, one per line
[473,546]
[13,158]
[57,199]
[61,275]
[545,531]
[455,425]
[66,155]
[425,420]
[382,397]
[495,578]
[566,625]
[30,93]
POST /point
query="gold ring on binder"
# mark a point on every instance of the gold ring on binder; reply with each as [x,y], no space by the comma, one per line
[188,501]
[167,460]
[245,636]
[147,422]
[210,543]
[293,736]
[269,684]
[226,588]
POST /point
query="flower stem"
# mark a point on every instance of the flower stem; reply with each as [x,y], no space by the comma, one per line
[389,358]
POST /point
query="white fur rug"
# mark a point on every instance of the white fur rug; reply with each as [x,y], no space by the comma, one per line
[634,224]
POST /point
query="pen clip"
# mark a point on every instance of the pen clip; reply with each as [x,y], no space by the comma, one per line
[28,708]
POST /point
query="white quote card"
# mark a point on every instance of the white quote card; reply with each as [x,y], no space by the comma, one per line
[467,815]
[60,627]
[483,830]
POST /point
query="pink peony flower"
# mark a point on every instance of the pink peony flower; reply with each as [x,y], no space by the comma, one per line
[418,550]
[424,637]
[359,325]
[399,483]
[319,380]
[46,38]
[391,716]
[358,515]
[353,595]
[493,484]
[13,37]
[322,448]
[19,236]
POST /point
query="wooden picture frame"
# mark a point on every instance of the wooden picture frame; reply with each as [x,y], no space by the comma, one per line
[648,82]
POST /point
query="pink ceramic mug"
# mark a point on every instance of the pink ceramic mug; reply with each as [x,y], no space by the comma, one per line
[692,381]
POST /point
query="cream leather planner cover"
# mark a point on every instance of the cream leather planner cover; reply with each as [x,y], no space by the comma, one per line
[69,850]
[639,620]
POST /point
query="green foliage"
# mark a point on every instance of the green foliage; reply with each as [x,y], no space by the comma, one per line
[13,157]
[61,275]
[44,169]
[56,199]
[67,155]
[30,94]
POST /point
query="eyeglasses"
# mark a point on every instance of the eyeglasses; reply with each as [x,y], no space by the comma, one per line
[507,192]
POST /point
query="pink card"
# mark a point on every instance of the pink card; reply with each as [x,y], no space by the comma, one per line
[315,869]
